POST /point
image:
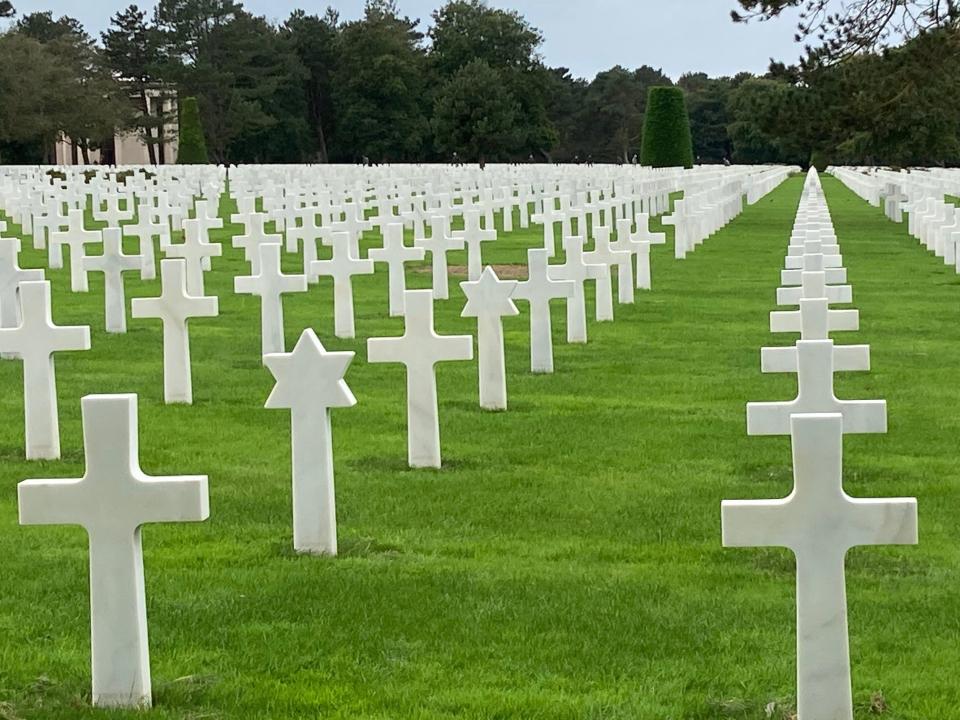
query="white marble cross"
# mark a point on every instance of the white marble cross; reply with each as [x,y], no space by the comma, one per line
[307,233]
[813,262]
[814,320]
[175,307]
[640,249]
[420,349]
[796,262]
[255,237]
[34,341]
[473,235]
[604,253]
[113,263]
[643,233]
[831,253]
[342,267]
[11,275]
[270,284]
[207,220]
[538,289]
[438,245]
[846,358]
[814,285]
[76,238]
[113,215]
[353,224]
[395,253]
[815,369]
[145,229]
[577,271]
[309,383]
[488,300]
[820,523]
[196,251]
[548,218]
[112,500]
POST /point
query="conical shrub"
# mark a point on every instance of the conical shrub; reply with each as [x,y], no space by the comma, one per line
[667,141]
[193,148]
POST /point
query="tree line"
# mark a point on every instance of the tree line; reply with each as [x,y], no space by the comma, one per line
[470,87]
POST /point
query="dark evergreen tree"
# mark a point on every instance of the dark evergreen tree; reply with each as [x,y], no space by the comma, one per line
[666,131]
[193,146]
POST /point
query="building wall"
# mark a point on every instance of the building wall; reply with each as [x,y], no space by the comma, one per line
[129,148]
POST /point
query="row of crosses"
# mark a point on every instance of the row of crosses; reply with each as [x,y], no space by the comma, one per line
[818,521]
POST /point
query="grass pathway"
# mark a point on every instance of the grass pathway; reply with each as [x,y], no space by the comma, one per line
[566,563]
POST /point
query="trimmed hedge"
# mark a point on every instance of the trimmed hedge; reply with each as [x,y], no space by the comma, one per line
[667,141]
[193,148]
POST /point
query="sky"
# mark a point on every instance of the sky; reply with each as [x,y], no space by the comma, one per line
[586,36]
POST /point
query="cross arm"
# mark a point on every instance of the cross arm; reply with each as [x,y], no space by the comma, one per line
[784,321]
[457,347]
[755,523]
[173,499]
[884,521]
[859,416]
[385,350]
[74,337]
[846,358]
[50,502]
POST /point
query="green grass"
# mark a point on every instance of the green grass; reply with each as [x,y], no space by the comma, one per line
[566,562]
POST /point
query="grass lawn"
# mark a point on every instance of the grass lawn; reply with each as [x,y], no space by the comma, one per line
[565,563]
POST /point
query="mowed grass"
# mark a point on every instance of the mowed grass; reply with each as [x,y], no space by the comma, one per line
[565,563]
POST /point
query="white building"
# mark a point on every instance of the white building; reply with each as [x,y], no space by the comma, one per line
[129,148]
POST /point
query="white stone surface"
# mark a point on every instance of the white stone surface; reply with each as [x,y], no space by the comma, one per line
[270,284]
[488,300]
[438,245]
[34,341]
[113,263]
[419,349]
[814,285]
[576,270]
[11,275]
[474,236]
[145,229]
[604,253]
[255,236]
[815,369]
[76,238]
[175,307]
[820,523]
[846,358]
[112,501]
[538,290]
[309,383]
[195,251]
[814,320]
[395,254]
[342,267]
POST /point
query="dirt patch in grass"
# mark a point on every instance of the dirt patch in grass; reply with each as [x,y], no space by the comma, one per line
[504,272]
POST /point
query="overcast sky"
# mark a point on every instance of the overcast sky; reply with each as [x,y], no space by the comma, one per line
[584,35]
